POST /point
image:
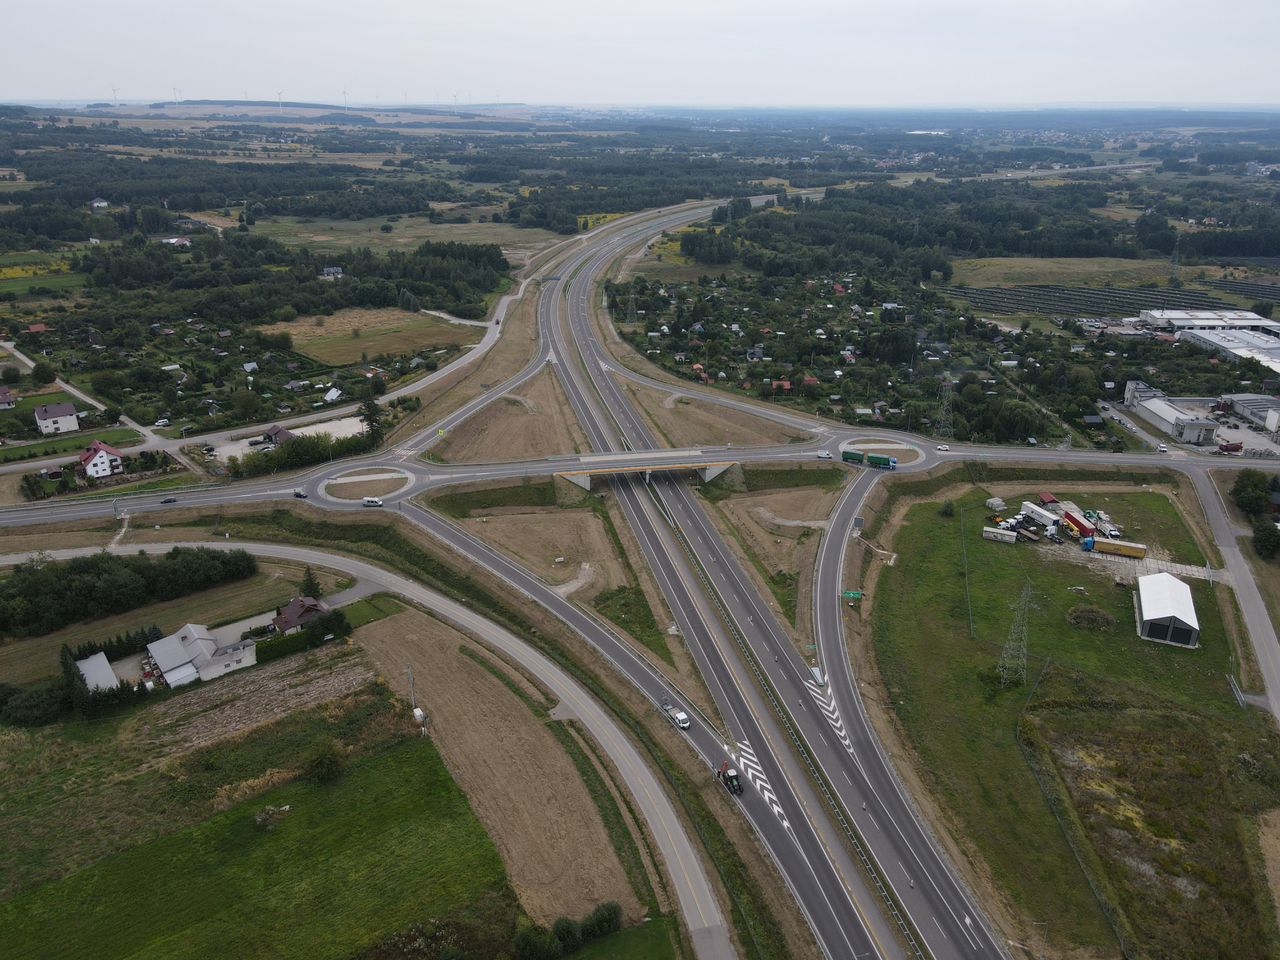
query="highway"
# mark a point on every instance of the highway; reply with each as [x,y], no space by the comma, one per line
[763,691]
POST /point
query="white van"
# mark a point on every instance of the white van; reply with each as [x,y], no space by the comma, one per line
[1162,448]
[372,502]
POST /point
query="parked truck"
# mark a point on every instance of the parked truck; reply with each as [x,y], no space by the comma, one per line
[1002,536]
[1039,514]
[1118,548]
[1082,528]
[729,777]
[853,456]
[882,462]
[675,714]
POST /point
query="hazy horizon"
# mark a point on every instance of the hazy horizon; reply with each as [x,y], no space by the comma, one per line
[813,54]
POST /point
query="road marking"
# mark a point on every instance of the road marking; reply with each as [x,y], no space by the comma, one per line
[827,703]
[751,769]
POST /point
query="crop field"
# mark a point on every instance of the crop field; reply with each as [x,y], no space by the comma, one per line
[1072,271]
[351,334]
[405,234]
[1085,301]
[1137,743]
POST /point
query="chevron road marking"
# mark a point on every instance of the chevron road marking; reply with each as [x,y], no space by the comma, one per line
[751,769]
[827,704]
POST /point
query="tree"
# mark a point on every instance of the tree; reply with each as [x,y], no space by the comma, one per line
[1251,492]
[10,375]
[1263,308]
[43,373]
[310,585]
[1266,537]
[371,414]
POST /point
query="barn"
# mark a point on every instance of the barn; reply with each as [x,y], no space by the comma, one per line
[1166,612]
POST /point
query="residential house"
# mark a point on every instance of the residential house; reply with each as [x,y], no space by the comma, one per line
[297,386]
[297,613]
[97,673]
[57,418]
[332,395]
[250,367]
[331,273]
[38,328]
[8,399]
[194,653]
[97,203]
[276,434]
[101,460]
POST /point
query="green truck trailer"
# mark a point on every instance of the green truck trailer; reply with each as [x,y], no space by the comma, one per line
[877,460]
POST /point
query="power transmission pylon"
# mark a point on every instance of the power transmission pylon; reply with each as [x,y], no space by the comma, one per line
[944,428]
[631,306]
[1012,668]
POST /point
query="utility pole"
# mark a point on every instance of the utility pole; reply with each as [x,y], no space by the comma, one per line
[1013,657]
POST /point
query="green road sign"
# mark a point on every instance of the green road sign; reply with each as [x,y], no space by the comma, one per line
[852,594]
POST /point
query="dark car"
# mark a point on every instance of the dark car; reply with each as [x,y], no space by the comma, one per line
[300,494]
[169,500]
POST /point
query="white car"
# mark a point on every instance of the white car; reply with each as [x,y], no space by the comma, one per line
[162,422]
[824,454]
[943,448]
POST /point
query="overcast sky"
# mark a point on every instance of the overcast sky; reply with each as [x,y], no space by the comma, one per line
[709,52]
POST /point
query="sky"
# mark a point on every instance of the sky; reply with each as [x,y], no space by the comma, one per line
[856,53]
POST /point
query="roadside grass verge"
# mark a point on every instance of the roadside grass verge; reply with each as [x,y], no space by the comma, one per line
[1106,723]
[393,842]
[628,607]
[71,443]
[466,503]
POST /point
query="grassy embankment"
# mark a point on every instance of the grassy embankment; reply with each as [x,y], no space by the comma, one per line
[1155,770]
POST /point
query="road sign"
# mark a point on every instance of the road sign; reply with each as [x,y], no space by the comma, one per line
[440,432]
[852,594]
[859,523]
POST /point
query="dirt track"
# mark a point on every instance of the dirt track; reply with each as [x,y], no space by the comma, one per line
[521,783]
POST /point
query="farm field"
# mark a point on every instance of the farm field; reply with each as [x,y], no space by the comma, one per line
[1086,301]
[1068,271]
[30,658]
[322,234]
[348,335]
[1116,727]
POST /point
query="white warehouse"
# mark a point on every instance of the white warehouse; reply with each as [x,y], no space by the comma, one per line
[1166,613]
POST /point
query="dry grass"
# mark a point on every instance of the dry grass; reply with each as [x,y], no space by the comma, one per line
[536,539]
[518,244]
[1070,271]
[682,422]
[364,488]
[349,334]
[537,422]
[522,785]
[35,657]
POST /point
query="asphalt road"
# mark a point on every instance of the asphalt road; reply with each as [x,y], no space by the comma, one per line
[693,890]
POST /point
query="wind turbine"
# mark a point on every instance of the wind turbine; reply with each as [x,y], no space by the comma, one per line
[114,99]
[280,102]
[344,99]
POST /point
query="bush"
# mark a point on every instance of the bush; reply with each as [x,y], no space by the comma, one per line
[1266,537]
[602,921]
[1084,617]
[37,704]
[323,762]
[569,932]
[534,943]
[948,509]
[333,624]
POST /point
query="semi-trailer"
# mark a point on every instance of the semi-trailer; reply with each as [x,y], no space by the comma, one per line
[1081,527]
[1119,548]
[1039,514]
[853,456]
[1002,536]
[882,462]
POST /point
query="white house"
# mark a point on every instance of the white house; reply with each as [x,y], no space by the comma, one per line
[101,460]
[194,653]
[57,418]
[332,395]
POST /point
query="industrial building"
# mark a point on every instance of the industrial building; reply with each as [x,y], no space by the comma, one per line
[1152,405]
[1179,321]
[1166,613]
[1238,345]
[1256,407]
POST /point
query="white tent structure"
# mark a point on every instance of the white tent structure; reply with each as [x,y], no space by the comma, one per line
[1166,612]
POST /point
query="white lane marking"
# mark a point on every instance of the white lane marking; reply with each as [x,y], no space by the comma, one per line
[751,769]
[827,703]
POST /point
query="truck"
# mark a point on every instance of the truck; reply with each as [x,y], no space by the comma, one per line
[1039,514]
[1118,548]
[1082,528]
[677,716]
[1002,536]
[882,462]
[729,777]
[853,456]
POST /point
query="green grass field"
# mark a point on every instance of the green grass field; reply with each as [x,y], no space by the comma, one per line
[1068,271]
[628,607]
[648,941]
[406,233]
[29,401]
[372,608]
[392,843]
[54,446]
[1101,686]
[56,281]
